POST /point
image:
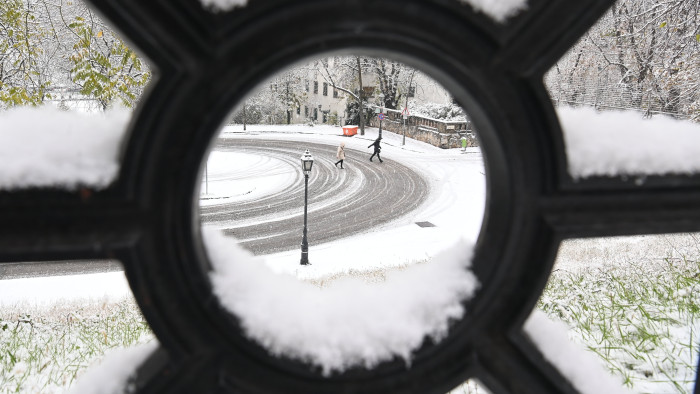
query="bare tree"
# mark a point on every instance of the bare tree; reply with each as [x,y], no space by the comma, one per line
[343,74]
[643,54]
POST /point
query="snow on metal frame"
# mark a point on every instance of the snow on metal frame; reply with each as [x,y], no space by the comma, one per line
[499,10]
[47,147]
[614,143]
[350,323]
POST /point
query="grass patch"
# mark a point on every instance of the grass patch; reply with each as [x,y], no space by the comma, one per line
[44,350]
[642,320]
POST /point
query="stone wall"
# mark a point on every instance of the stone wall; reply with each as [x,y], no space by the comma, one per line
[432,131]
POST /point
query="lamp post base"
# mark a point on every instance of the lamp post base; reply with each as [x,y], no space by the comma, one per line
[304,258]
[304,252]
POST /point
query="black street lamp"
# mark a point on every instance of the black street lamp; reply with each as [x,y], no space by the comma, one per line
[306,163]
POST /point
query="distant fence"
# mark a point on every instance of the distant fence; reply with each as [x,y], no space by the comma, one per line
[443,134]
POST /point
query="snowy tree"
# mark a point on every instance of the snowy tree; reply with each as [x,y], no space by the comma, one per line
[393,79]
[642,54]
[47,46]
[103,66]
[21,79]
[275,100]
[345,74]
[447,112]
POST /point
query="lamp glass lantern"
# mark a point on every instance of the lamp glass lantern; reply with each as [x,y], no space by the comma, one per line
[307,161]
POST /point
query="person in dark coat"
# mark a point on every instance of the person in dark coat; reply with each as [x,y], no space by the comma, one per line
[377,149]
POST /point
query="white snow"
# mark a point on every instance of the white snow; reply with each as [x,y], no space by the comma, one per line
[102,287]
[255,176]
[111,374]
[499,10]
[47,147]
[625,143]
[350,322]
[223,5]
[579,366]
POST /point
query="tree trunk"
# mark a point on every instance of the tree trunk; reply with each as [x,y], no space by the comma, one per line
[289,108]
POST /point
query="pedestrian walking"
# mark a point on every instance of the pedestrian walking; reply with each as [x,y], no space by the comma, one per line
[377,149]
[340,155]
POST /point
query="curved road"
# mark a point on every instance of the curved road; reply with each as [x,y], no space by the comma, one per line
[341,202]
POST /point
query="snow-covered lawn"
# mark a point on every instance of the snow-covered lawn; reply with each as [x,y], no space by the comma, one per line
[633,300]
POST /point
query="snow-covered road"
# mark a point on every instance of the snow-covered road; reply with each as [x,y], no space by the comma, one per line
[454,206]
[342,202]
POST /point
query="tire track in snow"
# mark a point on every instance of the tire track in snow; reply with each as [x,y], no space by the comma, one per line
[363,196]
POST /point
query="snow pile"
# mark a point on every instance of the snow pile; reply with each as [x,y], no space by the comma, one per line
[580,367]
[499,10]
[87,288]
[112,374]
[625,143]
[47,147]
[350,323]
[445,112]
[223,5]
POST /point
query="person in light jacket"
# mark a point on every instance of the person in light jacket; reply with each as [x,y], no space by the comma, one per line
[377,149]
[340,155]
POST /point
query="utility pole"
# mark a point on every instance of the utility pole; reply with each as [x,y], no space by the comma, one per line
[362,106]
[404,113]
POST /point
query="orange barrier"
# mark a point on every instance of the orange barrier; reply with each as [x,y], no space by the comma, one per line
[349,130]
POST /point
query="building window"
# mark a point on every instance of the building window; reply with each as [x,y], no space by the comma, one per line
[315,87]
[335,93]
[325,89]
[315,114]
[298,110]
[411,91]
[306,111]
[306,84]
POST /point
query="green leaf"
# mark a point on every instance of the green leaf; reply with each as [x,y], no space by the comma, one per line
[662,25]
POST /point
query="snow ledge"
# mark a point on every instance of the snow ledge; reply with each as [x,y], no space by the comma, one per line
[349,323]
[47,147]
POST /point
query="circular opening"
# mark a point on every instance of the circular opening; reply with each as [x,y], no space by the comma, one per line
[338,236]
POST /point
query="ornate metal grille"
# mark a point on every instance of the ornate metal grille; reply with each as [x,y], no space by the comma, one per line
[206,62]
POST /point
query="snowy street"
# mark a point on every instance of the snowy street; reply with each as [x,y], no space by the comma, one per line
[370,236]
[342,202]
